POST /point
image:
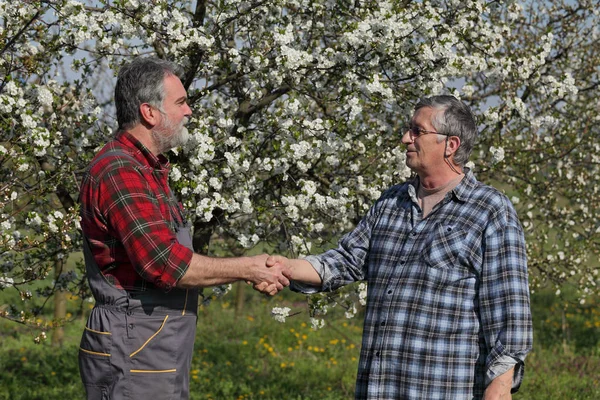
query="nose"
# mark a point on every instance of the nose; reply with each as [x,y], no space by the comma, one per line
[406,138]
[187,111]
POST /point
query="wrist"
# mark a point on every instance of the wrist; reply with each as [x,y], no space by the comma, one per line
[246,267]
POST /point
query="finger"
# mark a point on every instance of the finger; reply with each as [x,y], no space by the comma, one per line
[249,282]
[261,287]
[284,281]
[270,289]
[287,272]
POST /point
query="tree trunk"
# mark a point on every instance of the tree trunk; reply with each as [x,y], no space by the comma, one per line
[60,296]
[240,298]
[60,308]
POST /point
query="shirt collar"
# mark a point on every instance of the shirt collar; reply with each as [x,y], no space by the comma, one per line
[461,191]
[141,152]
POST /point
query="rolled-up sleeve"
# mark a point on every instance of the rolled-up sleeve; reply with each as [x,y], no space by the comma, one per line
[348,262]
[136,220]
[504,297]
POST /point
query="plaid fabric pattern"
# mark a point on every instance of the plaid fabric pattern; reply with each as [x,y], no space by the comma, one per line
[447,297]
[130,217]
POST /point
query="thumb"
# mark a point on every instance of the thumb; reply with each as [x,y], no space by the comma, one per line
[272,260]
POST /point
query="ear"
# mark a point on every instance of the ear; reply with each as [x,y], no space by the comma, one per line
[149,115]
[452,146]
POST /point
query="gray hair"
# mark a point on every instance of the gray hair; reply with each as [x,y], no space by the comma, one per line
[139,82]
[455,119]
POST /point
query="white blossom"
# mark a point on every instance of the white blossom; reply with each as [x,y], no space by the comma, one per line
[497,154]
[279,314]
[316,323]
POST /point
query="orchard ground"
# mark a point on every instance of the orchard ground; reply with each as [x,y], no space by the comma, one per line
[241,352]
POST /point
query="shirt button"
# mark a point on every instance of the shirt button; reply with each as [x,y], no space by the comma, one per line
[402,262]
[383,323]
[130,326]
[390,291]
[413,234]
[378,353]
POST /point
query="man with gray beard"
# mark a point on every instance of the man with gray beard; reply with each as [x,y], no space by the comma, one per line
[140,264]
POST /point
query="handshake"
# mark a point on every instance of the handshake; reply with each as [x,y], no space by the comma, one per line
[269,274]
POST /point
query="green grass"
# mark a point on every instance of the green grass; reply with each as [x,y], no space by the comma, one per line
[248,355]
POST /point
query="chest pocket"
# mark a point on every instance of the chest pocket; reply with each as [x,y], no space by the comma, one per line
[445,247]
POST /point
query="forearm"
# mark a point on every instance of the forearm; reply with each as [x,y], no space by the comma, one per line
[500,388]
[303,271]
[208,271]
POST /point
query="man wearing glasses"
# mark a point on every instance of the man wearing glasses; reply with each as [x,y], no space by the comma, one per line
[448,314]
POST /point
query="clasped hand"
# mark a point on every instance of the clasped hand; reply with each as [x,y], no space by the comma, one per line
[271,274]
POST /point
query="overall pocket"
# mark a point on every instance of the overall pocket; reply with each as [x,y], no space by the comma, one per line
[152,358]
[95,362]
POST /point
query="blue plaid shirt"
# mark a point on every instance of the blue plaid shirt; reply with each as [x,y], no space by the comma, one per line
[448,295]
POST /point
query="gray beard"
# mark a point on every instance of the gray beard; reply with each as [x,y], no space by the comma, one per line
[167,135]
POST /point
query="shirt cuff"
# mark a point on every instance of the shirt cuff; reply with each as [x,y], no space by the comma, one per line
[500,366]
[180,258]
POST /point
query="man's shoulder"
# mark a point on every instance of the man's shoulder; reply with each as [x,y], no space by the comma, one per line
[492,195]
[395,193]
[491,201]
[114,156]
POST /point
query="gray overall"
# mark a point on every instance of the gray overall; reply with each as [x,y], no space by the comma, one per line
[137,345]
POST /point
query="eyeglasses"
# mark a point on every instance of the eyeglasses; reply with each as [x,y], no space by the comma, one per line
[414,132]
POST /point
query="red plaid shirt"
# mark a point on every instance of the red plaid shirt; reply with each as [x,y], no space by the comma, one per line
[130,217]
